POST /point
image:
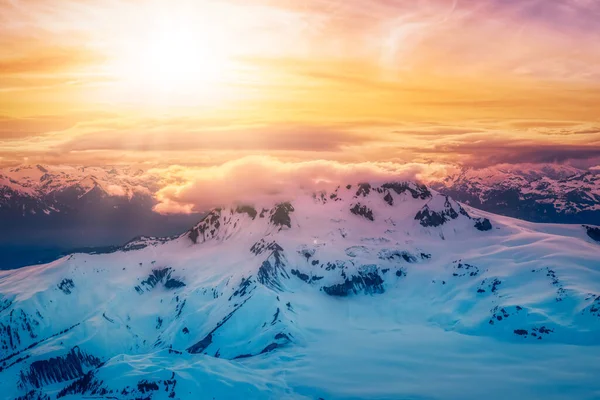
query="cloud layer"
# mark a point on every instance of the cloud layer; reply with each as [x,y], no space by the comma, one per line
[434,81]
[264,180]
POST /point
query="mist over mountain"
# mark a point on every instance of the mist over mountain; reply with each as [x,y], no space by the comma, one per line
[366,290]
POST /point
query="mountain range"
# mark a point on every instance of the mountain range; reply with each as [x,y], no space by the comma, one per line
[49,210]
[52,210]
[538,193]
[381,290]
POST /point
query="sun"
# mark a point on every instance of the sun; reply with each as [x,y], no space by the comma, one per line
[172,56]
[178,58]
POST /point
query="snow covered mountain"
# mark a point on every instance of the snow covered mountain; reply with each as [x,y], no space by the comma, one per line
[538,193]
[52,189]
[62,207]
[383,291]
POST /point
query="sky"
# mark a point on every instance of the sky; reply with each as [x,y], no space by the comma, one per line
[197,84]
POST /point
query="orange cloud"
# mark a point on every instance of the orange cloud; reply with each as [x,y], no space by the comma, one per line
[346,81]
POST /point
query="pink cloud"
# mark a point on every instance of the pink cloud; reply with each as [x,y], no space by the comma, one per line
[264,180]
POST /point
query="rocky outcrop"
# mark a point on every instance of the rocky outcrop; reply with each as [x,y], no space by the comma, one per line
[363,211]
[34,395]
[57,369]
[305,277]
[483,224]
[158,276]
[463,269]
[388,199]
[66,285]
[433,216]
[280,215]
[593,232]
[261,246]
[207,228]
[89,386]
[401,255]
[272,269]
[251,211]
[17,329]
[368,281]
[363,189]
[417,190]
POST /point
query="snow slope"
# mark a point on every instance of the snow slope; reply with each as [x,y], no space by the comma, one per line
[383,291]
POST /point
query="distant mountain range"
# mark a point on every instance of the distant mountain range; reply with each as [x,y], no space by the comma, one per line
[538,193]
[48,210]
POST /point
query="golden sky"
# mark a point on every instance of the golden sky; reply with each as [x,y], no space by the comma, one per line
[196,82]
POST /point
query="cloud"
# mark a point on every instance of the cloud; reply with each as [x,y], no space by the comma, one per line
[12,128]
[518,152]
[57,60]
[261,180]
[187,137]
[112,139]
[544,124]
[333,79]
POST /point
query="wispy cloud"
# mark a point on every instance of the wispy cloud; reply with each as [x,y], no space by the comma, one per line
[340,80]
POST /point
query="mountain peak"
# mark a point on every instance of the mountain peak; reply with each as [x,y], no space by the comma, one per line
[390,203]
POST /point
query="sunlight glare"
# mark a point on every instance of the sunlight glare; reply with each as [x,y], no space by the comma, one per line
[175,56]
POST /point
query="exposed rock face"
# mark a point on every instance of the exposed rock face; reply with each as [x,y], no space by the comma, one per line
[66,285]
[363,211]
[368,281]
[157,276]
[17,330]
[34,395]
[280,215]
[389,199]
[401,255]
[89,386]
[483,224]
[418,191]
[58,369]
[464,269]
[251,211]
[363,189]
[207,228]
[430,216]
[305,277]
[593,232]
[261,246]
[272,269]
